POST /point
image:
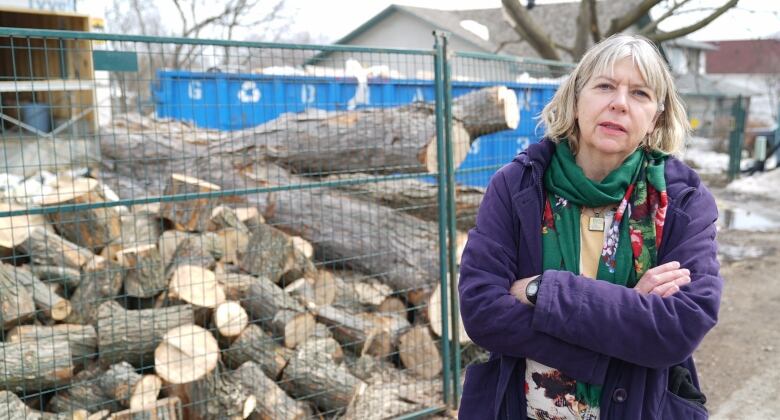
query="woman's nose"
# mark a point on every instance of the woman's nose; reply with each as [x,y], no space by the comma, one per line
[619,101]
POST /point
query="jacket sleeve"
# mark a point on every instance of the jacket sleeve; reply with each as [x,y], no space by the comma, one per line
[647,330]
[493,318]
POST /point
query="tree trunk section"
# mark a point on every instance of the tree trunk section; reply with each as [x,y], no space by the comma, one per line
[254,345]
[190,215]
[132,336]
[144,275]
[272,401]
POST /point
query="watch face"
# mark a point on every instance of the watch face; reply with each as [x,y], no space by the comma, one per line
[533,287]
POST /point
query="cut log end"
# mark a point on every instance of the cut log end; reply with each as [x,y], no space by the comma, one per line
[230,319]
[186,354]
[197,286]
[145,392]
[461,143]
[61,310]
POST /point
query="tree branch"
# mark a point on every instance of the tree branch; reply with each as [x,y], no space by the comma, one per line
[583,26]
[624,22]
[650,27]
[661,37]
[524,25]
[594,22]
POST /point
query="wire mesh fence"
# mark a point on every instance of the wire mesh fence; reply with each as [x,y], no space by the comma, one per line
[214,229]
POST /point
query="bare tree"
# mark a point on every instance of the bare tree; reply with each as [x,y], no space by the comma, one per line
[587,24]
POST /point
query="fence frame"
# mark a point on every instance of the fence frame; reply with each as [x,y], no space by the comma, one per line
[442,58]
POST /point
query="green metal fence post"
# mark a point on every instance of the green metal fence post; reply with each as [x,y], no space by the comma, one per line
[736,138]
[441,138]
[452,242]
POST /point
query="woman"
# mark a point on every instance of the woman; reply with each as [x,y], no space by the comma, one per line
[599,198]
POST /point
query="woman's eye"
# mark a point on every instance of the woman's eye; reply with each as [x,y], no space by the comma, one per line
[603,86]
[641,93]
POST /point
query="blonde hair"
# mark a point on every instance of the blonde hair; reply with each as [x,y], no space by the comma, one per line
[671,128]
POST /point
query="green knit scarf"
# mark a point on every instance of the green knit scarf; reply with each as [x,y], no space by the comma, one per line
[630,248]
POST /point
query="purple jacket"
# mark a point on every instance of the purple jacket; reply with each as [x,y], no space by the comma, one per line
[592,331]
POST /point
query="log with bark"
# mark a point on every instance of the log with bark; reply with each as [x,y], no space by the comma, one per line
[315,376]
[192,250]
[253,344]
[272,401]
[93,228]
[220,395]
[144,272]
[278,311]
[82,339]
[16,303]
[84,393]
[12,408]
[68,278]
[225,217]
[189,215]
[101,281]
[269,253]
[131,390]
[163,409]
[46,248]
[140,227]
[487,110]
[413,196]
[14,230]
[35,365]
[377,239]
[133,335]
[363,333]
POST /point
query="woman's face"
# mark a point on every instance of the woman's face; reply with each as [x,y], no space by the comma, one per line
[614,113]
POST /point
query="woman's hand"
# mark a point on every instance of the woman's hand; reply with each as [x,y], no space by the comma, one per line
[664,280]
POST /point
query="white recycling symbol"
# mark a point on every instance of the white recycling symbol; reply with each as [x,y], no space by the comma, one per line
[249,92]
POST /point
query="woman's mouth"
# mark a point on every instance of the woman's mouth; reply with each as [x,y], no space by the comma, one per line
[611,127]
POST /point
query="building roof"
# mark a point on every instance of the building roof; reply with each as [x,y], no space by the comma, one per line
[503,39]
[754,56]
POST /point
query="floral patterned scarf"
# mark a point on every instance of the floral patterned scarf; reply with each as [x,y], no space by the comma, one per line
[632,240]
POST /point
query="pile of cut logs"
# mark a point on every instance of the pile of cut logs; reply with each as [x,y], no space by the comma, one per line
[283,304]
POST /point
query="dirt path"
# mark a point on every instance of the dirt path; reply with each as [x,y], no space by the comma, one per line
[739,360]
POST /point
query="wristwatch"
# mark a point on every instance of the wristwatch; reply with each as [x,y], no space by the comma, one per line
[532,289]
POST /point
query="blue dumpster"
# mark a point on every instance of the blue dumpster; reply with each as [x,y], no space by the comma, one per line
[233,101]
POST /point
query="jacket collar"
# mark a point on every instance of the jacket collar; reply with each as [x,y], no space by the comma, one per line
[540,153]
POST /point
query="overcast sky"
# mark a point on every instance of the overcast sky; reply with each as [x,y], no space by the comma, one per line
[330,20]
[336,18]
